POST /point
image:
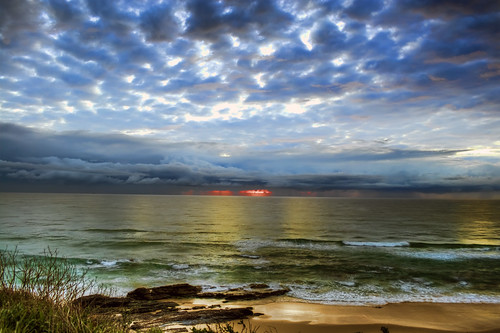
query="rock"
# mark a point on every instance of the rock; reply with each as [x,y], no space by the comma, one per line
[165,292]
[199,307]
[212,316]
[258,291]
[255,295]
[242,294]
[189,317]
[140,293]
[259,286]
[101,301]
[150,306]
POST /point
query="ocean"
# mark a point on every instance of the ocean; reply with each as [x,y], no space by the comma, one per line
[325,250]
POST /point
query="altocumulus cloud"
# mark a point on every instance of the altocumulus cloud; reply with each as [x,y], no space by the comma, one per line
[300,95]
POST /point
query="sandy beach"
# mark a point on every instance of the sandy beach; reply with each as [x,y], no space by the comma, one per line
[295,317]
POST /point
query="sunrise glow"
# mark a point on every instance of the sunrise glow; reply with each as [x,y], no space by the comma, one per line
[217,192]
[256,193]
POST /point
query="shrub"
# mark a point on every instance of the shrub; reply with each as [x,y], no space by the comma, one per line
[227,328]
[36,295]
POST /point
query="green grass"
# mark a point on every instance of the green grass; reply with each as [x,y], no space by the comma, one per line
[36,295]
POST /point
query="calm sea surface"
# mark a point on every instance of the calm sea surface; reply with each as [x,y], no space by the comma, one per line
[325,250]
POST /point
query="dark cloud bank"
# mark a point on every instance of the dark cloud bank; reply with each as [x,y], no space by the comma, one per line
[90,162]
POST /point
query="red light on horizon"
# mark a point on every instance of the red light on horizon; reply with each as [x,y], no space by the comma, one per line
[256,193]
[216,192]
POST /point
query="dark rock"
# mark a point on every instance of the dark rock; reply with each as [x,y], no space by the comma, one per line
[199,307]
[150,306]
[255,295]
[214,295]
[140,293]
[241,294]
[259,286]
[101,301]
[190,317]
[165,292]
[212,316]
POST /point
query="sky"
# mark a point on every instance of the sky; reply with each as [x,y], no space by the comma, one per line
[305,97]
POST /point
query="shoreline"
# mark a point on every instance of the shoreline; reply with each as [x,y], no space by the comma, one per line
[397,317]
[178,308]
[287,315]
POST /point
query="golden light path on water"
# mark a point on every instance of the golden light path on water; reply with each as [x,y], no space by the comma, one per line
[477,223]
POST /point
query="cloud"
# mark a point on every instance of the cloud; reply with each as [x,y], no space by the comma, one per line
[363,9]
[286,87]
[159,23]
[66,14]
[88,159]
[17,16]
[211,20]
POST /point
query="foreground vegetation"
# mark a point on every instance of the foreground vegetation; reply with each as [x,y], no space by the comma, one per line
[229,328]
[36,295]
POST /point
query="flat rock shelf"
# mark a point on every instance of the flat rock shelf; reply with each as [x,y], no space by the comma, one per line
[145,308]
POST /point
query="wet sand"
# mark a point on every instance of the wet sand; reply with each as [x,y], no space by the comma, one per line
[294,317]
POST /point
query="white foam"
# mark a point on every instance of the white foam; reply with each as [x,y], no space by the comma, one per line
[180,266]
[448,255]
[109,263]
[251,246]
[372,295]
[377,244]
[338,296]
[106,263]
[347,283]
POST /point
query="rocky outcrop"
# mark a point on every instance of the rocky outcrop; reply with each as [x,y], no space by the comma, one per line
[146,308]
[241,294]
[189,317]
[253,292]
[101,301]
[165,292]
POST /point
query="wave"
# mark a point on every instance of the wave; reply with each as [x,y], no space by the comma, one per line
[453,254]
[453,245]
[253,245]
[373,295]
[104,230]
[377,244]
[256,244]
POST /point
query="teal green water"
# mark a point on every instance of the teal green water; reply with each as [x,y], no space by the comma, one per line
[326,250]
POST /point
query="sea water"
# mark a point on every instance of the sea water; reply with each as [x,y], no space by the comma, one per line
[327,250]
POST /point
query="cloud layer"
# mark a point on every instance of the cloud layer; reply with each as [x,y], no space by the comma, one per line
[31,157]
[322,95]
